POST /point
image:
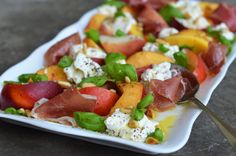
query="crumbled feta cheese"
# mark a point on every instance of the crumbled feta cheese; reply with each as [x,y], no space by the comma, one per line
[117,125]
[107,10]
[160,72]
[154,47]
[194,15]
[223,28]
[82,67]
[89,52]
[166,32]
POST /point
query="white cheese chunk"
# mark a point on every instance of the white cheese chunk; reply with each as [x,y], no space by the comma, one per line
[88,66]
[224,30]
[166,32]
[117,125]
[95,53]
[159,72]
[194,17]
[89,52]
[124,23]
[82,67]
[154,47]
[107,10]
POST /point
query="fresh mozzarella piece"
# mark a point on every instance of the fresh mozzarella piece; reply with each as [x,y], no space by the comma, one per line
[87,66]
[154,47]
[95,53]
[89,52]
[123,23]
[73,74]
[78,48]
[107,10]
[160,72]
[166,32]
[151,47]
[200,23]
[223,28]
[82,67]
[194,17]
[117,125]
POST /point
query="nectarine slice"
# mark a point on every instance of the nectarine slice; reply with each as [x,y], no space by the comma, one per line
[143,59]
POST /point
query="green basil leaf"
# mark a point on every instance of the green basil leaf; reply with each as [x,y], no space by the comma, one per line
[114,58]
[93,35]
[162,48]
[118,72]
[182,47]
[169,12]
[151,38]
[181,59]
[120,33]
[90,121]
[158,134]
[116,3]
[137,114]
[146,101]
[119,14]
[65,61]
[39,78]
[97,80]
[24,78]
[10,110]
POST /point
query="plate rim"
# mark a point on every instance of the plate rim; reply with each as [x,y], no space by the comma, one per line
[142,147]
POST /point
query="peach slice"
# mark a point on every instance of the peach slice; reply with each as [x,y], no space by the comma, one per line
[131,95]
[199,44]
[128,45]
[96,22]
[143,59]
[25,95]
[54,73]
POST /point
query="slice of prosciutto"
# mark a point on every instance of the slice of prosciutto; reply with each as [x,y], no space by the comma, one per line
[215,57]
[156,4]
[180,87]
[64,104]
[151,20]
[60,49]
[167,93]
[227,14]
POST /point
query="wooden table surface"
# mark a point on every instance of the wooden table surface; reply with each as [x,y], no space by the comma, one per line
[26,24]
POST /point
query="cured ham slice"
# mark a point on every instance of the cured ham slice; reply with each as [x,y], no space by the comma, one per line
[215,57]
[180,87]
[156,4]
[167,93]
[60,49]
[151,20]
[226,14]
[65,104]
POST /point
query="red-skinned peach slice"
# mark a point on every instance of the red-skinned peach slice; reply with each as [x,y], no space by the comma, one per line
[25,95]
[128,45]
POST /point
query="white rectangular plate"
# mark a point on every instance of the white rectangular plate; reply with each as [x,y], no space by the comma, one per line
[174,142]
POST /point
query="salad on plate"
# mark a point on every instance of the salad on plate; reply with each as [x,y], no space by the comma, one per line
[137,61]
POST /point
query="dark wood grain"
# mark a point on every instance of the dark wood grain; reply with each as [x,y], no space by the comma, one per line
[26,24]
